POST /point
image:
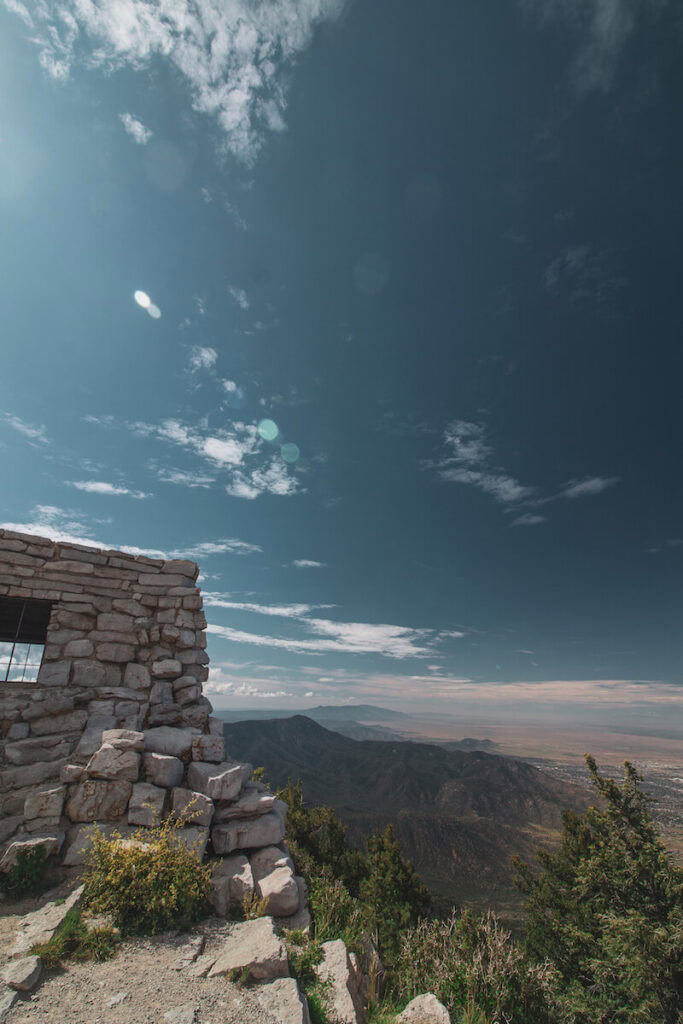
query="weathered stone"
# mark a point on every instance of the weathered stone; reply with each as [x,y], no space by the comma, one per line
[111,763]
[52,844]
[341,990]
[208,748]
[176,742]
[81,837]
[161,692]
[193,839]
[268,830]
[216,726]
[166,668]
[162,770]
[165,714]
[72,773]
[301,919]
[91,740]
[188,695]
[251,804]
[74,620]
[9,824]
[424,1010]
[166,580]
[45,803]
[283,1000]
[219,781]
[79,649]
[19,730]
[89,673]
[255,948]
[182,566]
[186,1014]
[116,621]
[41,925]
[43,748]
[146,806]
[231,881]
[268,859]
[51,706]
[280,891]
[74,721]
[30,775]
[22,974]
[136,677]
[115,652]
[124,739]
[8,997]
[191,808]
[196,716]
[97,800]
[129,607]
[55,673]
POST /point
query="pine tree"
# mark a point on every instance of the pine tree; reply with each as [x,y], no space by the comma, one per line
[607,910]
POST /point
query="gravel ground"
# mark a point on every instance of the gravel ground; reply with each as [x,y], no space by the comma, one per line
[140,986]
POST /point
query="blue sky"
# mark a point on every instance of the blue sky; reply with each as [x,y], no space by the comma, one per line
[374,310]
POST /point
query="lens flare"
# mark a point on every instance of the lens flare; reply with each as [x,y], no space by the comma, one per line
[142,299]
[268,430]
[290,452]
[154,311]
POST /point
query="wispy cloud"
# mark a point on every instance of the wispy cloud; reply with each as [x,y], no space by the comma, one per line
[271,479]
[202,358]
[308,563]
[34,432]
[185,479]
[235,57]
[240,296]
[136,129]
[72,527]
[584,275]
[528,519]
[590,485]
[287,611]
[603,28]
[101,487]
[468,459]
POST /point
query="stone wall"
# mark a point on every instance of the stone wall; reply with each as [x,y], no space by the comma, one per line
[116,729]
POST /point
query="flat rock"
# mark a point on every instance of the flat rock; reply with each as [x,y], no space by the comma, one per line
[8,998]
[194,839]
[146,805]
[251,804]
[218,781]
[22,974]
[283,1000]
[80,841]
[241,834]
[52,844]
[91,740]
[425,1010]
[114,764]
[253,947]
[40,925]
[46,803]
[337,973]
[231,881]
[166,740]
[97,800]
[124,739]
[266,860]
[191,808]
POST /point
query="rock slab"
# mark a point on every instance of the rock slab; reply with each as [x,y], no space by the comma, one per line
[253,947]
[424,1010]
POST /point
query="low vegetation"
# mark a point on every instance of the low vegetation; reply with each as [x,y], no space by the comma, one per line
[146,887]
[74,940]
[604,936]
[28,876]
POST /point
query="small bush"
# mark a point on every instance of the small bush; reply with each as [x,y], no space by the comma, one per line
[74,941]
[254,906]
[27,876]
[336,913]
[146,886]
[304,954]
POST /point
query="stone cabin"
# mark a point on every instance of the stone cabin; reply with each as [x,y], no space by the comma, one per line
[102,716]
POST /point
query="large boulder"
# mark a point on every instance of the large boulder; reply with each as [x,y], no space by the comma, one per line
[112,763]
[97,800]
[81,837]
[252,802]
[283,1000]
[41,925]
[163,770]
[218,781]
[245,834]
[124,739]
[231,881]
[46,803]
[146,806]
[424,1010]
[191,808]
[166,740]
[255,948]
[280,891]
[208,748]
[51,843]
[268,859]
[341,984]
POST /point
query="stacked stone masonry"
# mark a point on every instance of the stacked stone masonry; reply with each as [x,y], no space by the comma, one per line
[116,729]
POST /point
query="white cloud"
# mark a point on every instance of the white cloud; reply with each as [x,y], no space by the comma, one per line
[240,296]
[136,129]
[235,56]
[202,358]
[528,519]
[287,611]
[468,460]
[71,527]
[340,637]
[308,563]
[273,479]
[34,432]
[101,487]
[584,274]
[591,485]
[185,479]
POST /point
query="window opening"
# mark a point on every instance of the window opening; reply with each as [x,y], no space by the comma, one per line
[23,631]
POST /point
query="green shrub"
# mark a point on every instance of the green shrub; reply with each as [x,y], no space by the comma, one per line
[473,966]
[27,876]
[304,954]
[254,906]
[336,913]
[146,885]
[74,941]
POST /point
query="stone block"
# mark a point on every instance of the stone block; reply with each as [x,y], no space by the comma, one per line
[208,748]
[42,748]
[251,803]
[114,764]
[55,673]
[188,695]
[124,739]
[136,677]
[52,844]
[182,566]
[46,803]
[280,891]
[165,714]
[79,649]
[196,716]
[283,1000]
[268,859]
[116,621]
[341,989]
[146,806]
[50,706]
[268,830]
[218,781]
[115,652]
[72,773]
[91,740]
[40,925]
[193,838]
[89,673]
[161,692]
[73,721]
[80,841]
[22,974]
[231,881]
[216,726]
[97,800]
[162,770]
[191,808]
[166,668]
[253,947]
[164,740]
[18,731]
